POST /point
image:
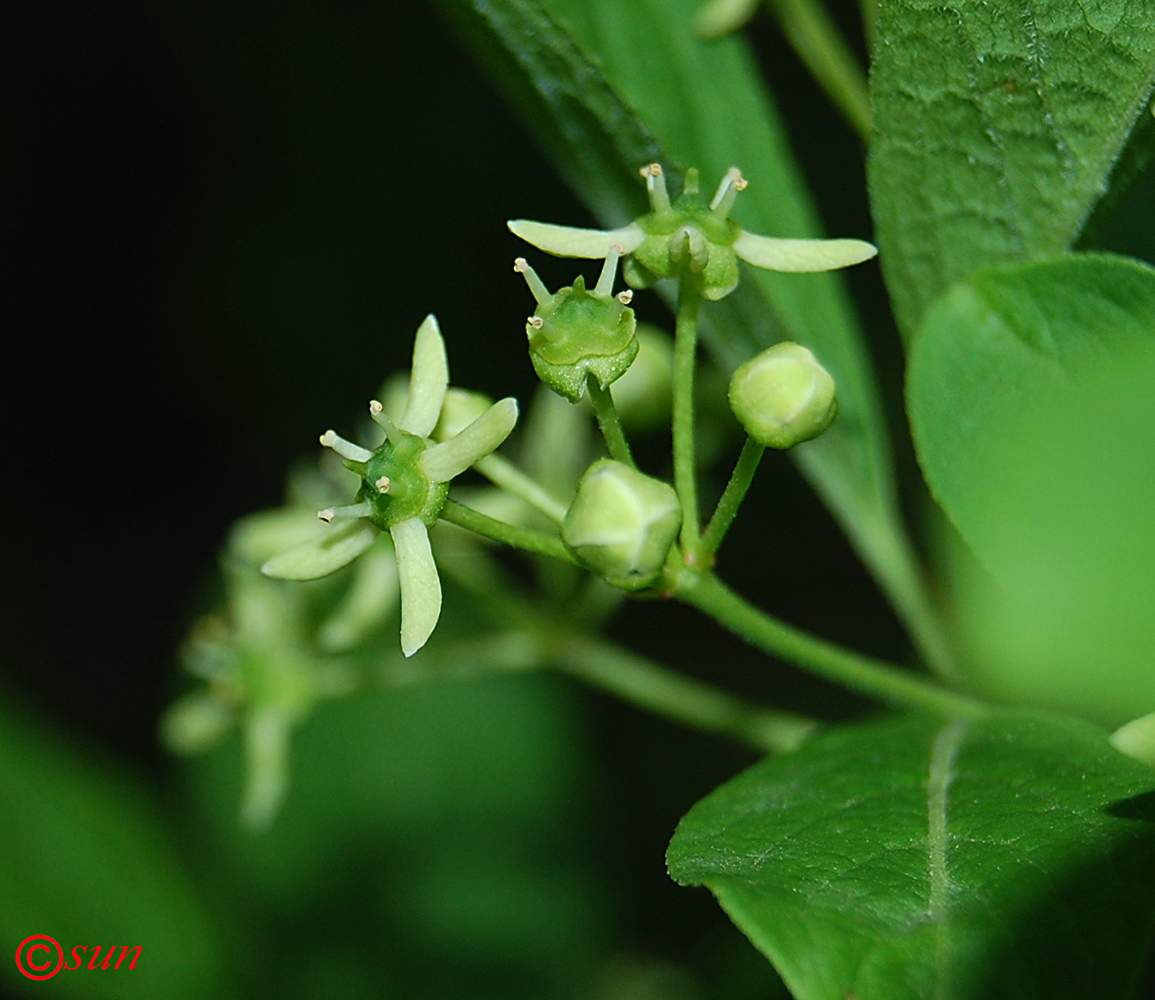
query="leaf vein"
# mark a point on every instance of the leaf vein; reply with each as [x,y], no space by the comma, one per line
[942,773]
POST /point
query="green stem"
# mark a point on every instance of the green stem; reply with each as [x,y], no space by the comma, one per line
[496,653]
[814,36]
[875,678]
[502,472]
[528,539]
[681,699]
[609,422]
[732,496]
[685,357]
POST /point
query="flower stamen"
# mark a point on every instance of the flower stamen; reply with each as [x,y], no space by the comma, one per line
[728,190]
[656,187]
[346,449]
[377,412]
[363,509]
[536,285]
[605,285]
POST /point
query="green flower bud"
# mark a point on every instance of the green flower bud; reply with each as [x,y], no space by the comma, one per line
[576,333]
[783,396]
[622,524]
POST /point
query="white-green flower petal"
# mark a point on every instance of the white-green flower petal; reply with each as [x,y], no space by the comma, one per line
[441,462]
[428,381]
[196,723]
[461,408]
[258,537]
[801,255]
[420,585]
[1137,739]
[720,17]
[324,554]
[568,241]
[266,739]
[371,598]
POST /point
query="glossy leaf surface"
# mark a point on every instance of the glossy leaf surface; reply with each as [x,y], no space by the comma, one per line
[910,858]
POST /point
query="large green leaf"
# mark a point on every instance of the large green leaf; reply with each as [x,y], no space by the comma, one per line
[86,859]
[610,84]
[907,859]
[996,128]
[1030,399]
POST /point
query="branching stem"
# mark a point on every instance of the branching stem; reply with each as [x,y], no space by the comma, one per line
[878,679]
[502,472]
[732,496]
[527,539]
[685,468]
[683,699]
[609,423]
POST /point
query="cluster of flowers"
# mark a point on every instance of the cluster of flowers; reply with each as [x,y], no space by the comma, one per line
[622,524]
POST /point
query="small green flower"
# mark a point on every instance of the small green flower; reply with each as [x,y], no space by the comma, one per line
[261,678]
[574,333]
[783,396]
[690,237]
[404,484]
[622,524]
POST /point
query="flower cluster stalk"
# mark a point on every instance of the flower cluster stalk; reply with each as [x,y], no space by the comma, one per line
[685,467]
[740,480]
[609,423]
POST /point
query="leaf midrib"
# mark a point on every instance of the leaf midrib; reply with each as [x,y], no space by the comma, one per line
[944,752]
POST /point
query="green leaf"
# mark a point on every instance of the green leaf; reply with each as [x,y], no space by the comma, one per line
[1030,401]
[905,859]
[87,860]
[996,131]
[595,140]
[633,84]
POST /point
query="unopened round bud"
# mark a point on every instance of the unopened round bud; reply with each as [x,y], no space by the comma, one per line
[783,396]
[622,523]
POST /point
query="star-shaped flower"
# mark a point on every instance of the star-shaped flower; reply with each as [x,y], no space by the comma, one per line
[404,484]
[688,236]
